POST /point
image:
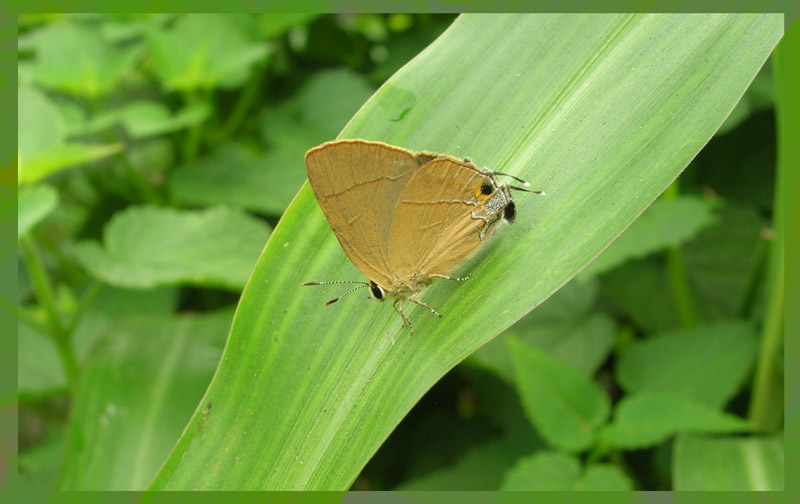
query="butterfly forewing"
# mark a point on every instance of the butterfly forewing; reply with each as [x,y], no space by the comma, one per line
[433,230]
[357,184]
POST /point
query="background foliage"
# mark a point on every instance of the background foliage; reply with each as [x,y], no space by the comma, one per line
[157,152]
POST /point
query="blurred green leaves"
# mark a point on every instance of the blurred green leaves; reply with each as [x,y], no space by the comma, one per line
[559,471]
[148,247]
[74,58]
[33,205]
[43,148]
[265,182]
[205,51]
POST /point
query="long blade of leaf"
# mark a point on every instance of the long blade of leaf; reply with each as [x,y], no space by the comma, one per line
[600,111]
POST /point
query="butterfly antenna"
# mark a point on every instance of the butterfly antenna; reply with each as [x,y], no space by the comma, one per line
[540,193]
[361,286]
[526,184]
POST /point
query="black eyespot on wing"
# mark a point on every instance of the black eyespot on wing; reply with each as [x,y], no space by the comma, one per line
[510,212]
[486,189]
[376,291]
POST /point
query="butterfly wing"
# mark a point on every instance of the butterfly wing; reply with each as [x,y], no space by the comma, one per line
[435,226]
[357,184]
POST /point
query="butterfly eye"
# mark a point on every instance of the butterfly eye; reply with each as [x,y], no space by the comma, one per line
[376,291]
[510,212]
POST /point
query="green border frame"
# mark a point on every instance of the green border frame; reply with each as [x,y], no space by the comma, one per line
[788,129]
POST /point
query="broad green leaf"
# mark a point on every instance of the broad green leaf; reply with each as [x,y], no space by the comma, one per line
[543,471]
[480,469]
[134,396]
[34,204]
[562,326]
[600,111]
[565,406]
[707,363]
[639,291]
[603,478]
[74,58]
[729,464]
[667,223]
[647,418]
[41,141]
[39,124]
[145,247]
[558,471]
[202,51]
[759,96]
[64,156]
[722,259]
[266,182]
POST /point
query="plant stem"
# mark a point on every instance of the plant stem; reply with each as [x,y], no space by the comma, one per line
[87,299]
[766,404]
[676,271]
[43,288]
[41,285]
[191,144]
[243,105]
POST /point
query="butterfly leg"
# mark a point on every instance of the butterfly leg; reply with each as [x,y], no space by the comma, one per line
[417,301]
[399,311]
[451,278]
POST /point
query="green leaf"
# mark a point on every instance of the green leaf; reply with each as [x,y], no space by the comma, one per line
[648,418]
[41,142]
[39,124]
[145,118]
[202,51]
[543,471]
[39,367]
[565,406]
[603,478]
[134,396]
[558,471]
[267,182]
[34,204]
[141,119]
[722,260]
[563,326]
[667,223]
[707,364]
[554,99]
[480,469]
[639,291]
[64,156]
[275,24]
[147,246]
[74,58]
[237,175]
[734,464]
